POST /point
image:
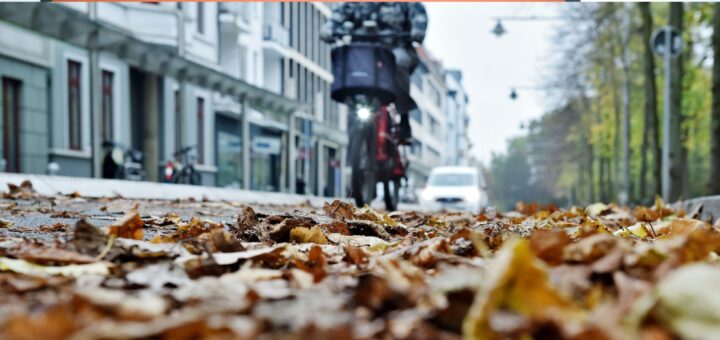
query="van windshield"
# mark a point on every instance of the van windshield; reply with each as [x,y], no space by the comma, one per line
[451,180]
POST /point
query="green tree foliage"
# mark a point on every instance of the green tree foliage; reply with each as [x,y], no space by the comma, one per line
[512,180]
[573,154]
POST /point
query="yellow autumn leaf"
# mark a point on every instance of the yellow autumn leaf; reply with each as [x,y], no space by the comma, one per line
[73,270]
[517,281]
[305,235]
[638,230]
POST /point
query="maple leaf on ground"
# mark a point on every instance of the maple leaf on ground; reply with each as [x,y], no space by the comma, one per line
[339,210]
[130,226]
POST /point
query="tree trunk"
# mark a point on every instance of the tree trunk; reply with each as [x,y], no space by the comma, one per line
[591,172]
[714,185]
[642,191]
[651,118]
[616,140]
[678,163]
[624,196]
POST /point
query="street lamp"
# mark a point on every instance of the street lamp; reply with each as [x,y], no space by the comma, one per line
[514,89]
[499,30]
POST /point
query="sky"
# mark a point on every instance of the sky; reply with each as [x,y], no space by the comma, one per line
[459,35]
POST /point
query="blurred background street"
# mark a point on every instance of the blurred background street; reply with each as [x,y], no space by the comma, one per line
[555,103]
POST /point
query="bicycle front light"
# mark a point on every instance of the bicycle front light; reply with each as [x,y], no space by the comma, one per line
[363,112]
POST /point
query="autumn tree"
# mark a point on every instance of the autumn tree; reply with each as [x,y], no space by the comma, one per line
[650,132]
[714,185]
[678,152]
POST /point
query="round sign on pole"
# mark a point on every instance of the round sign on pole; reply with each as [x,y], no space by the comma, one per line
[659,38]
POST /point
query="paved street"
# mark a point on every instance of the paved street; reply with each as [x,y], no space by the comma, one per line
[134,268]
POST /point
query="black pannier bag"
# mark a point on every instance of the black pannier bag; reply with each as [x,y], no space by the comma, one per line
[363,69]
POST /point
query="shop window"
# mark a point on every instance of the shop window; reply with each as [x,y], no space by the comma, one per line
[11,124]
[107,105]
[74,104]
[201,130]
[229,158]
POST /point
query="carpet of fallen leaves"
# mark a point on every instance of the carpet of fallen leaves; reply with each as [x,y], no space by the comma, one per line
[599,272]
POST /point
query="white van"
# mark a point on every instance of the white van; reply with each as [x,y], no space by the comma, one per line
[454,188]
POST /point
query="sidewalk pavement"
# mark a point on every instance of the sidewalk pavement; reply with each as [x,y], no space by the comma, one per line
[96,187]
[710,206]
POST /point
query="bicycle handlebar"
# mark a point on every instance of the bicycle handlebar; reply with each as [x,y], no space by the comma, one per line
[184,150]
[372,35]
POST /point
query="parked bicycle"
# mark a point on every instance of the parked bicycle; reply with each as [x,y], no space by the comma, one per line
[182,170]
[121,162]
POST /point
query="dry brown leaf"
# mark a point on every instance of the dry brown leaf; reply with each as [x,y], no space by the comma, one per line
[23,191]
[339,210]
[355,256]
[130,226]
[590,248]
[549,244]
[222,241]
[87,239]
[681,226]
[41,254]
[315,264]
[246,221]
[305,235]
[338,227]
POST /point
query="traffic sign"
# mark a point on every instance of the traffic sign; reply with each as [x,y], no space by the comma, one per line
[658,41]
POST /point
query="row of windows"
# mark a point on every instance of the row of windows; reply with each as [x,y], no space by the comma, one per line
[416,148]
[433,155]
[313,90]
[435,95]
[434,127]
[74,101]
[417,115]
[304,21]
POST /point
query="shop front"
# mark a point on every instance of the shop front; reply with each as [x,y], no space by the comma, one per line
[303,177]
[267,150]
[265,159]
[332,172]
[229,152]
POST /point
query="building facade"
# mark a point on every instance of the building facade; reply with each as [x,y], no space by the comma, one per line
[428,90]
[246,85]
[457,143]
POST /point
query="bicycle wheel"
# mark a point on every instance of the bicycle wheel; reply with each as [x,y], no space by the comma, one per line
[363,167]
[195,177]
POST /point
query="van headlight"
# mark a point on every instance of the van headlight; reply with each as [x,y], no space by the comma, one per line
[426,195]
[473,196]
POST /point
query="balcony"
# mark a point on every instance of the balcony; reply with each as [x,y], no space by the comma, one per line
[275,32]
[236,15]
[148,22]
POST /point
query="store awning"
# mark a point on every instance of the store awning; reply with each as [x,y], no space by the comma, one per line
[63,23]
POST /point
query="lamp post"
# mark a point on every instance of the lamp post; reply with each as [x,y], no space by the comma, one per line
[514,89]
[499,30]
[667,42]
